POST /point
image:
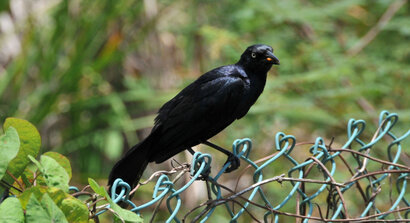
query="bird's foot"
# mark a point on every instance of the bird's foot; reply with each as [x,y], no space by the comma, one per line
[235,162]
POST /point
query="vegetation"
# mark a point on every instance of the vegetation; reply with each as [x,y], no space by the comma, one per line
[91,74]
[41,186]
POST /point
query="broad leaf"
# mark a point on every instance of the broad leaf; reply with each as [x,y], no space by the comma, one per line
[37,191]
[52,210]
[62,160]
[74,210]
[30,143]
[9,147]
[54,174]
[35,212]
[11,211]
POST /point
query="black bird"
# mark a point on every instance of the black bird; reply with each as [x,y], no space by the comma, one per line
[200,111]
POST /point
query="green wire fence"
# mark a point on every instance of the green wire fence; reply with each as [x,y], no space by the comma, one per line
[367,184]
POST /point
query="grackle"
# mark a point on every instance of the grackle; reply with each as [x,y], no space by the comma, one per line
[200,111]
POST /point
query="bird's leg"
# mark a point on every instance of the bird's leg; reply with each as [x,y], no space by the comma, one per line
[205,175]
[190,150]
[235,162]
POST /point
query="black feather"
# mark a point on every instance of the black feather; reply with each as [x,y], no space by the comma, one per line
[200,111]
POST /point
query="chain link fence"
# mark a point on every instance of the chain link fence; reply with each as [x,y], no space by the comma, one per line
[352,168]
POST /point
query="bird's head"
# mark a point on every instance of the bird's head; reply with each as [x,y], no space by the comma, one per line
[258,57]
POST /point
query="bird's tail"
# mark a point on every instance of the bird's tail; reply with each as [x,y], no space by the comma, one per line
[132,165]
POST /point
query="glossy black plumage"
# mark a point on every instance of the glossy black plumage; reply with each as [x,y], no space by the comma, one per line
[200,111]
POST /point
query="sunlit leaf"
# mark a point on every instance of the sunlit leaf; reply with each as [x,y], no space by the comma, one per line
[9,147]
[30,142]
[35,212]
[74,210]
[96,188]
[11,211]
[62,160]
[37,191]
[54,174]
[52,210]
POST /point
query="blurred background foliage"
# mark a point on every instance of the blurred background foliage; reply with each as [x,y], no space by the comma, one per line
[92,74]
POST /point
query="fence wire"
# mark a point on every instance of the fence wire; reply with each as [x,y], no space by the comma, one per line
[363,182]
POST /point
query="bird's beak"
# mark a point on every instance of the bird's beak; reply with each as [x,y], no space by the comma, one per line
[272,58]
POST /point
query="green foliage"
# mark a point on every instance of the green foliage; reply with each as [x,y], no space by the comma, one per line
[54,174]
[74,209]
[44,211]
[61,160]
[11,211]
[42,188]
[90,74]
[9,147]
[122,214]
[30,142]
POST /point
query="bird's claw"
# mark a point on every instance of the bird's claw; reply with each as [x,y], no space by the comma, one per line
[235,162]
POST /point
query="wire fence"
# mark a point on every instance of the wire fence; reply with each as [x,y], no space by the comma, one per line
[368,175]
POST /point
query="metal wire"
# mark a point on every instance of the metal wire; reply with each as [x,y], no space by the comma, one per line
[322,157]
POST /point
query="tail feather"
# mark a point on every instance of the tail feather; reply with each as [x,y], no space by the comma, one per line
[132,165]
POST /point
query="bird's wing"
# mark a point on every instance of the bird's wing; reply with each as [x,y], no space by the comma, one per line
[200,111]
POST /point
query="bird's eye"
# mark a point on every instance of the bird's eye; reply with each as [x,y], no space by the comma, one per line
[253,55]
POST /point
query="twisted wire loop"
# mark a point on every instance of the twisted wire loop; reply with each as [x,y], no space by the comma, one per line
[323,157]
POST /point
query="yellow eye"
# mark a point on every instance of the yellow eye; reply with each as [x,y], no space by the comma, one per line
[253,55]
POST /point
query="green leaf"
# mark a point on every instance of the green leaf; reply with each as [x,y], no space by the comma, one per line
[123,214]
[74,210]
[37,191]
[62,160]
[30,143]
[54,174]
[38,164]
[9,147]
[97,188]
[35,212]
[52,210]
[11,211]
[57,195]
[57,203]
